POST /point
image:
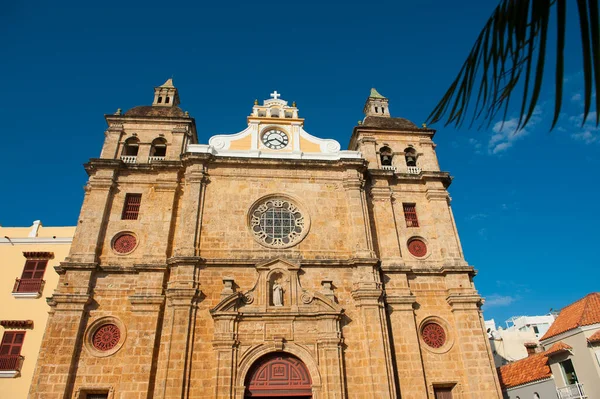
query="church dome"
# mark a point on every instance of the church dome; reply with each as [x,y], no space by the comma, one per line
[148,110]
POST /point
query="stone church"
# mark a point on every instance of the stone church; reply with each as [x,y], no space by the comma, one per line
[266,263]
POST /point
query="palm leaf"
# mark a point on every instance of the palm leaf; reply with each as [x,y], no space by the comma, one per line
[508,60]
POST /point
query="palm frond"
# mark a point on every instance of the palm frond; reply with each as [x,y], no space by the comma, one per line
[508,60]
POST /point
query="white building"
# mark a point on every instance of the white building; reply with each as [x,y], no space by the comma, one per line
[519,339]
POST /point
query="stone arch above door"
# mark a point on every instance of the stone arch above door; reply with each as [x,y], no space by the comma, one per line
[278,374]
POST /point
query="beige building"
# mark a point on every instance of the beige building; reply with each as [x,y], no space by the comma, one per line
[28,256]
[568,367]
[265,263]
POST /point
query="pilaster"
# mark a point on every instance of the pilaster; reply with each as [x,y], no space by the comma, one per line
[411,375]
[367,295]
[359,223]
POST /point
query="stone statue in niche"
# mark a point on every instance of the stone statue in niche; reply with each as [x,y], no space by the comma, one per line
[277,294]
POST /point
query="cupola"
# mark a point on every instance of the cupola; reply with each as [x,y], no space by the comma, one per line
[376,105]
[166,95]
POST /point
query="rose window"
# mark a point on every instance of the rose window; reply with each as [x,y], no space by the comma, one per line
[278,223]
[106,337]
[417,248]
[434,335]
[124,243]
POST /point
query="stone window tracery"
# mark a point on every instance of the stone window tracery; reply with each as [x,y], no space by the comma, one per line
[278,223]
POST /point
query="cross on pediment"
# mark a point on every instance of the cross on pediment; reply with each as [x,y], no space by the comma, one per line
[275,95]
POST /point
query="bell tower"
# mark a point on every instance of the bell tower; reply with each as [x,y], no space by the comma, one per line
[166,95]
[376,105]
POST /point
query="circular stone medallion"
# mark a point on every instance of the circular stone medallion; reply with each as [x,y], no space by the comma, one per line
[125,243]
[417,248]
[106,337]
[434,335]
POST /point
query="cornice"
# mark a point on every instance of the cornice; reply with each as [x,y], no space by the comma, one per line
[35,240]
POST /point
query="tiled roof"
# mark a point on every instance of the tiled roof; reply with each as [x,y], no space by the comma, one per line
[594,338]
[557,347]
[530,369]
[584,312]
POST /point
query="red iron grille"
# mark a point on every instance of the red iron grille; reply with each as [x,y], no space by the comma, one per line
[410,215]
[434,335]
[131,209]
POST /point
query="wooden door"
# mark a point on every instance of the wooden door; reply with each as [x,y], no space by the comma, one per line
[443,393]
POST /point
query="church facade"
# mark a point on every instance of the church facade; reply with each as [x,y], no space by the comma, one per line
[266,263]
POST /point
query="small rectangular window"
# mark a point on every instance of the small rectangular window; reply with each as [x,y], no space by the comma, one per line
[10,350]
[131,209]
[96,396]
[410,214]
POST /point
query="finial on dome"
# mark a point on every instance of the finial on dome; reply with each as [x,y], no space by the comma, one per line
[424,125]
[256,101]
[293,103]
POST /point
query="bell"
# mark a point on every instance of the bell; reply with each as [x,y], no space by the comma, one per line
[411,161]
[386,160]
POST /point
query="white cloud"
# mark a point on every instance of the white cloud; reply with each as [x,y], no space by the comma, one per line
[477,216]
[505,133]
[589,133]
[577,97]
[499,300]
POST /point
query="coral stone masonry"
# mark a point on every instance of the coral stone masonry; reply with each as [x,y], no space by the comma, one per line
[264,263]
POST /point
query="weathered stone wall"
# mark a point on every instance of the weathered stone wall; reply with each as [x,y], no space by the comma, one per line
[186,334]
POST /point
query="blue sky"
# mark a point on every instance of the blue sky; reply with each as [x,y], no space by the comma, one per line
[525,203]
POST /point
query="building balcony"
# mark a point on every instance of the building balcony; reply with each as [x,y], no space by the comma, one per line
[573,391]
[28,288]
[10,365]
[155,159]
[129,158]
[411,170]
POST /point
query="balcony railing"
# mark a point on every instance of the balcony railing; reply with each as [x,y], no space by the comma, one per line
[574,391]
[413,170]
[155,159]
[388,167]
[129,158]
[28,286]
[11,362]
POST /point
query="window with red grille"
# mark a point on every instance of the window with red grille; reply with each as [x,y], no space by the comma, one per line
[10,350]
[410,214]
[32,277]
[131,209]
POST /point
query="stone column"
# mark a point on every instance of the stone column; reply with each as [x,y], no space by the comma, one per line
[387,240]
[439,203]
[189,220]
[367,295]
[146,306]
[174,362]
[112,137]
[332,366]
[482,381]
[226,349]
[57,363]
[411,376]
[97,202]
[358,218]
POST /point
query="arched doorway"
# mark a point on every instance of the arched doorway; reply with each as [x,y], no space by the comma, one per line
[278,375]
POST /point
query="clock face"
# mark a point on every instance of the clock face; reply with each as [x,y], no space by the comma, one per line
[275,139]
